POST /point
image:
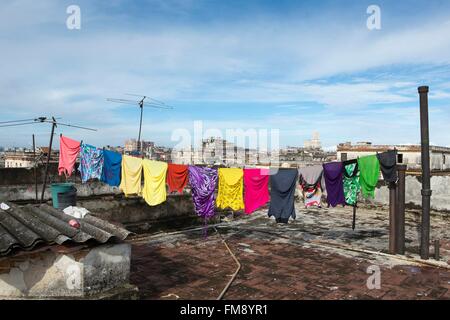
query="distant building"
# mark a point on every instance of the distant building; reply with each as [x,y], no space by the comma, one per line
[314,142]
[407,154]
[218,151]
[132,145]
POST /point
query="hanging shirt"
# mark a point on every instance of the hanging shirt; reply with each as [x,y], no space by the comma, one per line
[351,182]
[332,172]
[388,165]
[310,183]
[112,164]
[282,194]
[91,162]
[369,168]
[256,189]
[203,182]
[154,191]
[231,189]
[68,152]
[131,175]
[177,177]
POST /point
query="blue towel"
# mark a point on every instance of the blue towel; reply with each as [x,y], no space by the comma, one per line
[111,168]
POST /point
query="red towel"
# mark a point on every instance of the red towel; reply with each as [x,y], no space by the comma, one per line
[68,152]
[177,177]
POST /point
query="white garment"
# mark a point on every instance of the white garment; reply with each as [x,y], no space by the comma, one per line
[76,212]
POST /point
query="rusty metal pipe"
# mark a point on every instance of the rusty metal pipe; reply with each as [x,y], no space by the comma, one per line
[401,189]
[426,191]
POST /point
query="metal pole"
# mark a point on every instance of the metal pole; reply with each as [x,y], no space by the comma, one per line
[426,191]
[141,105]
[44,184]
[401,189]
[35,169]
[392,218]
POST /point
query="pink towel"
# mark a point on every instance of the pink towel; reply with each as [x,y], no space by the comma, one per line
[68,152]
[256,189]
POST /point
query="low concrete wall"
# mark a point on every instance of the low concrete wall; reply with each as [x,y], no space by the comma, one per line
[50,274]
[440,198]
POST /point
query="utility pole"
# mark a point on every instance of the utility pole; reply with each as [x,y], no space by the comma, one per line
[35,169]
[426,191]
[141,105]
[44,184]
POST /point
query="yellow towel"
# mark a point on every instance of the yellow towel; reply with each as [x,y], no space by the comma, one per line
[131,175]
[231,188]
[154,191]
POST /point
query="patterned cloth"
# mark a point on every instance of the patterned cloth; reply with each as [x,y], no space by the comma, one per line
[203,183]
[231,189]
[351,183]
[311,185]
[91,162]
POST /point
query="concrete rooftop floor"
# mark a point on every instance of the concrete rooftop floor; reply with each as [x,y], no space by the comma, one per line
[316,256]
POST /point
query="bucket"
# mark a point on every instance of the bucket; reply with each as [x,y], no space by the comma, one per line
[60,188]
[67,199]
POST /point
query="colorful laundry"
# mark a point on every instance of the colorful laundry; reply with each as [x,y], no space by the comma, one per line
[231,189]
[68,152]
[111,168]
[203,182]
[154,191]
[283,182]
[369,168]
[177,177]
[91,162]
[333,180]
[310,183]
[351,182]
[256,189]
[388,165]
[131,175]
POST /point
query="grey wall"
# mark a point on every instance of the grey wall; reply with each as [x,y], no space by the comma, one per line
[440,198]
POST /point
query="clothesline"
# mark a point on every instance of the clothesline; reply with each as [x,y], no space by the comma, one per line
[238,189]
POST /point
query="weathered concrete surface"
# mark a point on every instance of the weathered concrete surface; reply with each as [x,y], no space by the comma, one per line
[53,273]
[317,256]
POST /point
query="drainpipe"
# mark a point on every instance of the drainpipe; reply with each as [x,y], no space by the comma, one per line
[401,169]
[426,191]
[392,218]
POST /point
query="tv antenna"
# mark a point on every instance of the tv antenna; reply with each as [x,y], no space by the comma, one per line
[144,101]
[55,123]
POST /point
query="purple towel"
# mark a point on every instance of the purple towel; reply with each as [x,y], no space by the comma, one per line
[203,183]
[333,180]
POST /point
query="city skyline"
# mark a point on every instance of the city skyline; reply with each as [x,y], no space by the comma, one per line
[296,67]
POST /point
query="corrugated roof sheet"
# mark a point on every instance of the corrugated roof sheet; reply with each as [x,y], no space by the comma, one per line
[25,227]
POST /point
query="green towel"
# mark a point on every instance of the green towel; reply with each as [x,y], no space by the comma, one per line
[369,173]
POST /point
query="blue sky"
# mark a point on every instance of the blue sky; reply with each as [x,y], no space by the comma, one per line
[296,66]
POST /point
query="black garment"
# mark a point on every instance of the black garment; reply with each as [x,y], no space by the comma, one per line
[388,165]
[282,193]
[346,163]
